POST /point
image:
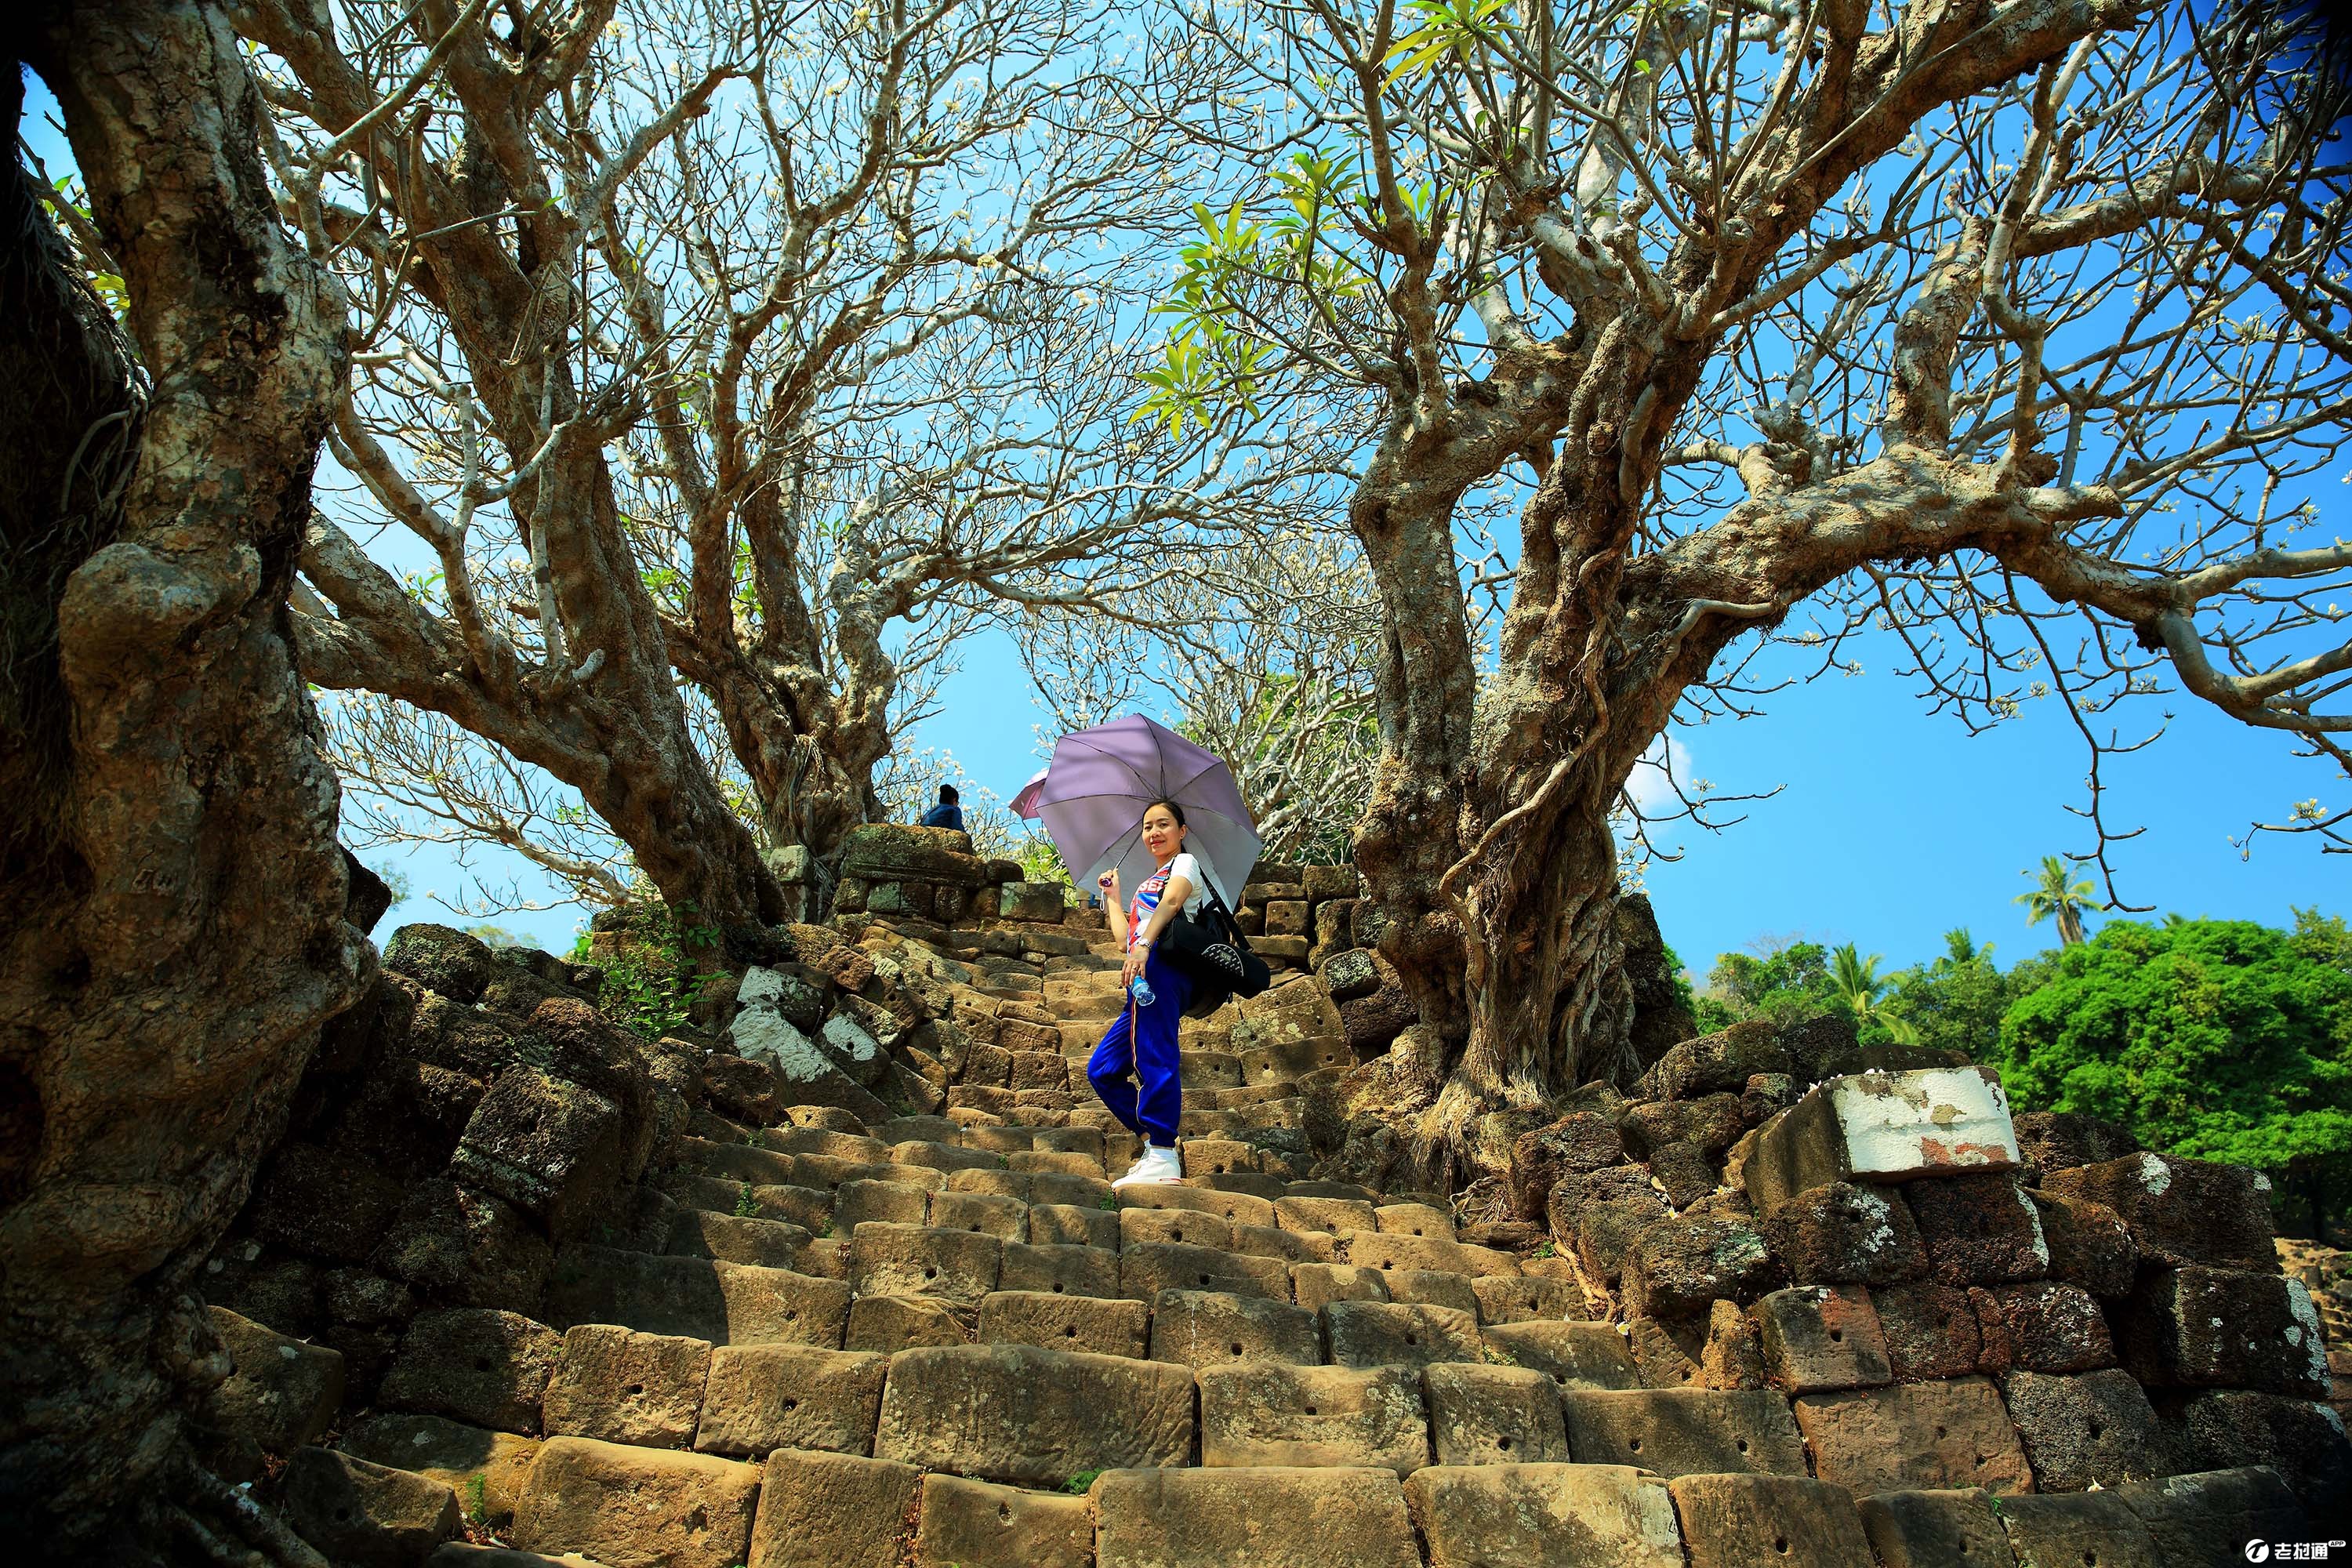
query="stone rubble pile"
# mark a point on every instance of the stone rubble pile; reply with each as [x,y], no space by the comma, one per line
[836,1278]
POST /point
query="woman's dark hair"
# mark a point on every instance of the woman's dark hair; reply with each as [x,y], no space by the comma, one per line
[948,796]
[1173,810]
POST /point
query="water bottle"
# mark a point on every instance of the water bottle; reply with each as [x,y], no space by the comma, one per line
[1142,991]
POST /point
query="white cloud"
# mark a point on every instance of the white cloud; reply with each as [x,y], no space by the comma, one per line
[1649,785]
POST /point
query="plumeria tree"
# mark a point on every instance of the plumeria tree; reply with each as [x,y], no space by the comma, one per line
[2012,330]
[763,349]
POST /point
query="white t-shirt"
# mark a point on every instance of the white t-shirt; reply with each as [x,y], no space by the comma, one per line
[1147,897]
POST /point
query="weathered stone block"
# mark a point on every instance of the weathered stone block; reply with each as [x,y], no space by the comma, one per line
[1060,1270]
[1065,1322]
[1935,1529]
[833,1510]
[916,1260]
[2089,1244]
[1276,1413]
[1544,1516]
[489,1467]
[1929,1330]
[1823,1337]
[1579,1141]
[1315,1285]
[1349,1516]
[1680,1265]
[1913,1436]
[1765,1521]
[2182,1211]
[620,1386]
[893,1323]
[323,1203]
[1014,1413]
[1718,1063]
[2097,1426]
[552,1148]
[1846,1234]
[1377,1333]
[364,1515]
[1733,1356]
[1979,1230]
[2303,1441]
[2211,1516]
[441,959]
[1606,1231]
[1204,1328]
[1685,1171]
[2208,1327]
[2052,1327]
[972,1524]
[281,1395]
[1494,1415]
[1573,1355]
[1682,1431]
[2053,1141]
[760,1398]
[1530,1298]
[1884,1128]
[1711,1121]
[472,1364]
[1144,1271]
[2090,1528]
[636,1507]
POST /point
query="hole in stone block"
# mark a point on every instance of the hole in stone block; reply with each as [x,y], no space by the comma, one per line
[1635,1445]
[1781,1543]
[1743,1445]
[1504,1443]
[930,1273]
[1237,1350]
[1070,1332]
[636,1389]
[1057,1287]
[1837,1336]
[1310,1410]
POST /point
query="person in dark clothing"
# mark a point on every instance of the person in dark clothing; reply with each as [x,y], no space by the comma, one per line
[947,813]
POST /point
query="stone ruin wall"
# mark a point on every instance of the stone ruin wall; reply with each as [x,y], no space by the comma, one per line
[478,1158]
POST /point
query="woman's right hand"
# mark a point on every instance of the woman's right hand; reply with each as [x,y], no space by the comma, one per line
[1109,883]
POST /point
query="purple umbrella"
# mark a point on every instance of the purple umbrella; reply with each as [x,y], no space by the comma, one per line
[1026,802]
[1101,779]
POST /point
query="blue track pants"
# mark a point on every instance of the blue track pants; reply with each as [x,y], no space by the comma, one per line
[1147,1049]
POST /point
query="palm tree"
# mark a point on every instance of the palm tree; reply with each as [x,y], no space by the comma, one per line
[1959,948]
[1860,987]
[2055,895]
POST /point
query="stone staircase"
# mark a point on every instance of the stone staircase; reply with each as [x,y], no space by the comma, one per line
[944,1340]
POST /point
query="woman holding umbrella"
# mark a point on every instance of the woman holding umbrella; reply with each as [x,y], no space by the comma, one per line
[1132,803]
[1142,1038]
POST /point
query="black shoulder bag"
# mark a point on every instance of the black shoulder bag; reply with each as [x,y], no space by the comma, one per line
[1212,954]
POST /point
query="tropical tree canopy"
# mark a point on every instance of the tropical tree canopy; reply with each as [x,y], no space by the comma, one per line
[2220,1039]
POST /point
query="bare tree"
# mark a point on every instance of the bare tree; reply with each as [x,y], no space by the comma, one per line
[2014,327]
[1266,655]
[174,932]
[773,346]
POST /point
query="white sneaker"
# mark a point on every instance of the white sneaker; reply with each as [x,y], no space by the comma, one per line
[1158,1168]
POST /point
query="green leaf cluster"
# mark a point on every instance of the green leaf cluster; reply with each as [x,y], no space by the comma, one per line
[2217,1039]
[653,985]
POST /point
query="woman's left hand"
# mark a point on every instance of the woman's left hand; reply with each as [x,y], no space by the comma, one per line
[1135,957]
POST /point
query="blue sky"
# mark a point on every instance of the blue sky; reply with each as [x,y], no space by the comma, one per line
[1891,825]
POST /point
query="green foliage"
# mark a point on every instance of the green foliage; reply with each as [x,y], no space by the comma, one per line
[493,936]
[652,985]
[397,884]
[1859,989]
[1040,861]
[478,1512]
[1109,1201]
[2218,1039]
[1678,973]
[745,1206]
[1076,1485]
[1788,984]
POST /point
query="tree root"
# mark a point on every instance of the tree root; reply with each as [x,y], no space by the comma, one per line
[273,1542]
[213,1549]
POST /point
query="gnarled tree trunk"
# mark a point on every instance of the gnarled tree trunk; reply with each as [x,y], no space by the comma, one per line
[173,896]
